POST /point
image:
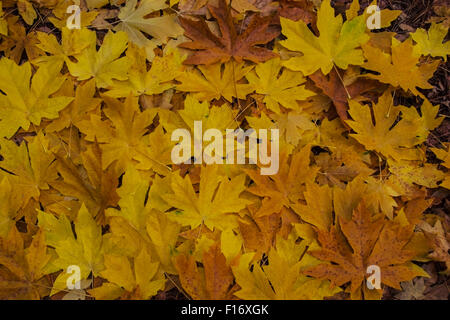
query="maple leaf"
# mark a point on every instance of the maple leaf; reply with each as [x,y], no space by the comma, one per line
[31,166]
[91,184]
[430,43]
[139,282]
[415,172]
[73,42]
[79,109]
[18,41]
[84,250]
[279,88]
[387,136]
[258,233]
[298,10]
[213,282]
[371,241]
[132,195]
[379,197]
[221,118]
[319,209]
[133,22]
[294,126]
[438,240]
[140,224]
[281,278]
[230,44]
[22,104]
[399,68]
[22,270]
[426,122]
[412,290]
[104,65]
[214,206]
[445,156]
[158,79]
[336,45]
[346,200]
[213,83]
[283,189]
[163,233]
[334,88]
[121,138]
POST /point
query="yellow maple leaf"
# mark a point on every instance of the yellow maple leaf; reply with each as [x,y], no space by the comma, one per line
[31,165]
[104,65]
[123,137]
[133,22]
[79,109]
[139,282]
[337,44]
[430,42]
[158,79]
[215,205]
[400,68]
[139,223]
[387,136]
[22,103]
[83,251]
[281,278]
[319,208]
[212,83]
[379,197]
[213,117]
[283,88]
[73,42]
[416,172]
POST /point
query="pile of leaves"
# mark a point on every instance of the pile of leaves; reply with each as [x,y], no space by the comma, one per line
[86,179]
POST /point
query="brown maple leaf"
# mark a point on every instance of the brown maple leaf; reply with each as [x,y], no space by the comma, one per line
[438,240]
[22,274]
[298,10]
[212,282]
[364,241]
[243,46]
[333,87]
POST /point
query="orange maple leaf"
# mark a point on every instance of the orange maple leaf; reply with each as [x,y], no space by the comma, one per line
[243,46]
[364,241]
